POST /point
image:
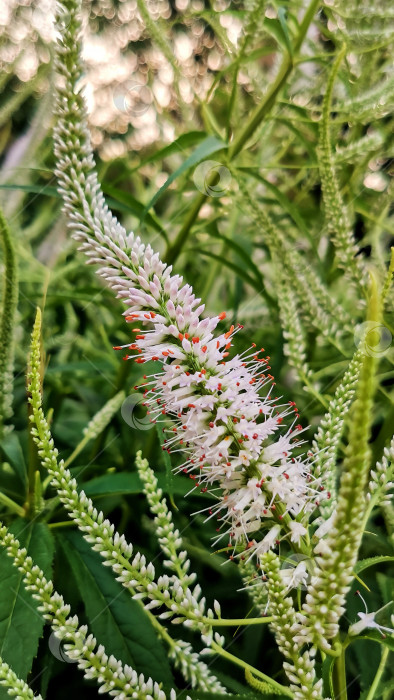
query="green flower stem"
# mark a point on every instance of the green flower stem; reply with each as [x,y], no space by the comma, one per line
[260,113]
[379,673]
[339,676]
[282,689]
[270,97]
[222,621]
[334,572]
[11,505]
[10,300]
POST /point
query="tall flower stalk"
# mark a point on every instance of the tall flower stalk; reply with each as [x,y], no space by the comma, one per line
[231,435]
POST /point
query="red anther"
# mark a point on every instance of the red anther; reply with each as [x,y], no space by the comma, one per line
[328,494]
[217,345]
[273,507]
[147,316]
[204,348]
[136,330]
[195,339]
[163,413]
[254,436]
[228,464]
[152,314]
[225,354]
[130,318]
[184,427]
[203,371]
[139,337]
[164,383]
[279,420]
[235,420]
[265,511]
[239,325]
[211,424]
[184,470]
[298,427]
[139,360]
[237,383]
[187,374]
[126,357]
[165,353]
[280,517]
[116,347]
[222,316]
[181,336]
[155,357]
[187,336]
[228,346]
[219,387]
[177,366]
[286,475]
[191,405]
[249,545]
[252,381]
[277,541]
[227,335]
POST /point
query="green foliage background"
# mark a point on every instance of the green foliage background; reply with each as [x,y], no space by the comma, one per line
[273,175]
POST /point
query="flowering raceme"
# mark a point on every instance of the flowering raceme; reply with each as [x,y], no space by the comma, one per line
[232,437]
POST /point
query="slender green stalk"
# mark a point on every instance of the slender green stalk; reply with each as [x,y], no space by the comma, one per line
[334,573]
[11,505]
[339,677]
[10,300]
[379,674]
[256,119]
[259,674]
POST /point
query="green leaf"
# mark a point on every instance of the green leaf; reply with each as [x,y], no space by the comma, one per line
[180,144]
[278,29]
[127,484]
[12,449]
[285,30]
[283,200]
[371,561]
[21,624]
[373,636]
[124,201]
[235,268]
[209,146]
[116,620]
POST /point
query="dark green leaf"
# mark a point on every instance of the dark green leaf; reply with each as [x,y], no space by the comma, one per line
[124,483]
[116,620]
[21,624]
[371,561]
[209,146]
[14,454]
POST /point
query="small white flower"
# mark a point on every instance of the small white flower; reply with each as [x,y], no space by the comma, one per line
[293,578]
[297,530]
[367,620]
